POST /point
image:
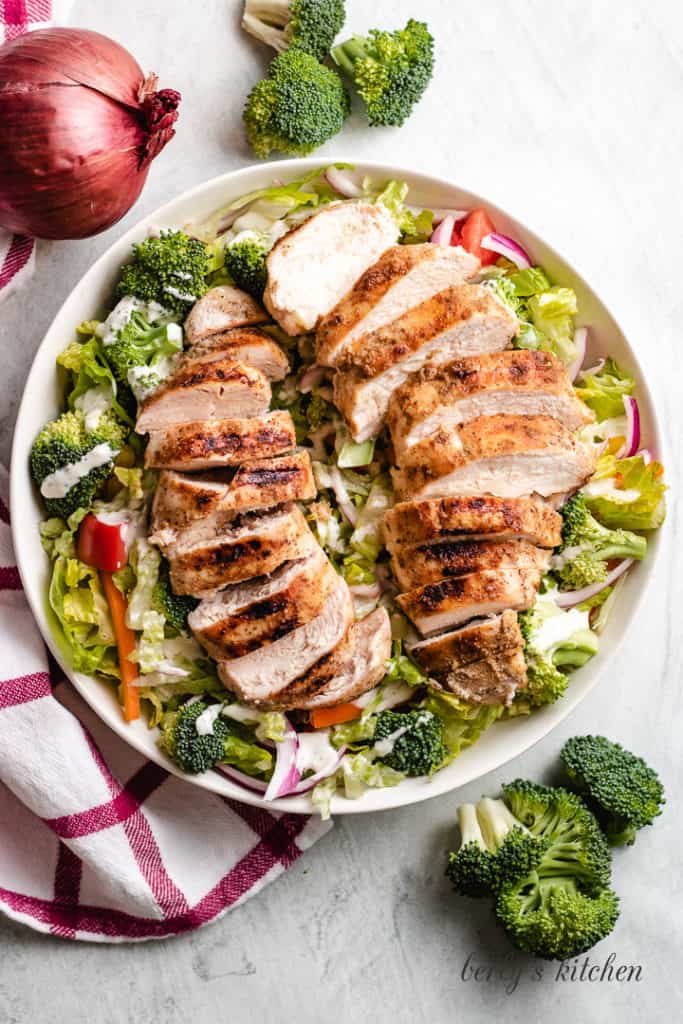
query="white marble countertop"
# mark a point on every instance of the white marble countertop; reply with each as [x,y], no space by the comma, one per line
[569,115]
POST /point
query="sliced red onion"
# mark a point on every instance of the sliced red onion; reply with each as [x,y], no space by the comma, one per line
[343,183]
[366,590]
[569,598]
[592,370]
[443,234]
[580,341]
[286,775]
[630,446]
[646,456]
[439,215]
[347,507]
[255,785]
[311,378]
[507,247]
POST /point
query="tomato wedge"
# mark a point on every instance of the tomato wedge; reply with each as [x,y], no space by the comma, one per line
[102,545]
[475,228]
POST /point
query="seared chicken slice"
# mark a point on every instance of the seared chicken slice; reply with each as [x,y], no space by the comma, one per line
[519,382]
[463,320]
[493,680]
[313,266]
[206,391]
[474,642]
[404,276]
[248,345]
[259,677]
[211,443]
[257,484]
[249,615]
[485,516]
[203,560]
[434,560]
[449,602]
[221,309]
[355,666]
[504,455]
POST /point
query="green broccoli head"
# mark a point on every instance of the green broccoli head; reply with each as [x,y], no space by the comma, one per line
[410,742]
[548,662]
[65,442]
[308,25]
[245,261]
[496,849]
[298,107]
[170,269]
[143,353]
[390,70]
[174,607]
[587,546]
[192,752]
[624,790]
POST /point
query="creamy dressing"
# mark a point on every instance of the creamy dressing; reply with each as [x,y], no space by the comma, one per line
[565,557]
[109,329]
[177,294]
[93,403]
[205,722]
[385,747]
[59,483]
[557,629]
[315,752]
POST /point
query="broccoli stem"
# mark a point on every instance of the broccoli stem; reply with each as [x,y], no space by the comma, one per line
[496,821]
[469,826]
[346,54]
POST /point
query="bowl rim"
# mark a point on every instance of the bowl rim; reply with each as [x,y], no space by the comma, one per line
[531,729]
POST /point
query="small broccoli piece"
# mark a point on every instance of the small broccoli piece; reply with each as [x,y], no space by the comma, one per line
[309,25]
[390,70]
[410,742]
[298,107]
[496,849]
[170,270]
[564,905]
[174,607]
[587,546]
[245,261]
[184,745]
[624,791]
[547,666]
[64,442]
[142,355]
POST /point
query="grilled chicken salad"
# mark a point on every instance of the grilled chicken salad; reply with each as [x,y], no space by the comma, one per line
[334,488]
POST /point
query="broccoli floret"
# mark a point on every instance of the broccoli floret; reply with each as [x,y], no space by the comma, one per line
[309,25]
[624,791]
[174,607]
[587,546]
[298,107]
[170,270]
[496,849]
[65,441]
[564,905]
[390,70]
[245,261]
[184,745]
[142,355]
[547,666]
[410,742]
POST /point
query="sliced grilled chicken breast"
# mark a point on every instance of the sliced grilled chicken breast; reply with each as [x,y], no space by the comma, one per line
[434,560]
[257,484]
[259,677]
[493,680]
[519,382]
[481,516]
[206,391]
[212,443]
[248,345]
[404,276]
[449,602]
[202,561]
[508,456]
[249,615]
[221,309]
[477,640]
[462,320]
[313,266]
[352,668]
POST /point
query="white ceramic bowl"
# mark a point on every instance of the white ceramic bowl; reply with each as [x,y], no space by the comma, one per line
[92,296]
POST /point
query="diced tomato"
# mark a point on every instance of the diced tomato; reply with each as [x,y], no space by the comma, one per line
[456,237]
[102,545]
[477,226]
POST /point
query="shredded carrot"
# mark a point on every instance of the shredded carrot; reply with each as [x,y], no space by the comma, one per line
[322,717]
[125,643]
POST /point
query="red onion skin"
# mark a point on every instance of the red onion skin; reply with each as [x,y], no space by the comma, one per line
[79,126]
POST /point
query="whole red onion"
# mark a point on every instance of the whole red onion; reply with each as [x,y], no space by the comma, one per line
[79,127]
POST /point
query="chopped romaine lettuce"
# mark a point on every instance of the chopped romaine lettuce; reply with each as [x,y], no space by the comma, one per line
[604,391]
[552,314]
[76,598]
[627,493]
[463,723]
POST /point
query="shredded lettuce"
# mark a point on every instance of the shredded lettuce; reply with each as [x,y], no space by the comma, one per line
[627,493]
[353,454]
[367,537]
[88,369]
[76,598]
[603,392]
[402,667]
[463,723]
[414,227]
[552,314]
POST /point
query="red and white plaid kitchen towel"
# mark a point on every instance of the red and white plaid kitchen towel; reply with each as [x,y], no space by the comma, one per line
[96,842]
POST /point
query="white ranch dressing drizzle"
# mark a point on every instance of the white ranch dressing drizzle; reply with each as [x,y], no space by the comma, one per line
[385,747]
[205,722]
[315,752]
[556,629]
[93,403]
[59,483]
